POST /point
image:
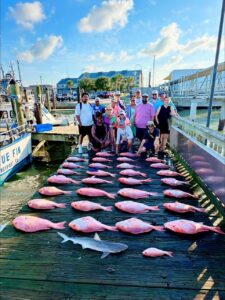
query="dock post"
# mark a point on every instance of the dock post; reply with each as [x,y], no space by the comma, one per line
[16,102]
[47,99]
[25,95]
[54,100]
[193,110]
[221,124]
[38,105]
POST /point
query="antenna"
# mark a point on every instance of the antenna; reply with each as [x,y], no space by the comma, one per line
[18,66]
[12,70]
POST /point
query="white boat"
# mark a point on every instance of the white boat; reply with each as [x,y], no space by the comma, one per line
[15,152]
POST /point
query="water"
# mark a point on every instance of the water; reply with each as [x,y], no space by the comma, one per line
[16,192]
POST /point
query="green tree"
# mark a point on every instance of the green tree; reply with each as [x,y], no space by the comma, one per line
[87,84]
[130,83]
[70,85]
[117,79]
[103,83]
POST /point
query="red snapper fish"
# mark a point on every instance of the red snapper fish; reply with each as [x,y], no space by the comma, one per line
[135,194]
[89,224]
[126,166]
[99,166]
[174,182]
[214,179]
[44,204]
[67,172]
[128,154]
[133,207]
[104,154]
[92,192]
[75,159]
[52,191]
[89,206]
[71,165]
[124,159]
[178,194]
[182,208]
[190,227]
[100,173]
[95,180]
[155,252]
[159,166]
[197,157]
[136,226]
[101,159]
[61,179]
[33,224]
[154,160]
[168,173]
[133,181]
[131,172]
[200,164]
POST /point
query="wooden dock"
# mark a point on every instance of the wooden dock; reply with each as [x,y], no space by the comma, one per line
[38,266]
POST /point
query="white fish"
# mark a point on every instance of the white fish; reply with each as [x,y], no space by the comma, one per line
[95,244]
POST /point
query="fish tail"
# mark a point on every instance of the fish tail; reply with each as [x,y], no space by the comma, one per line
[158,228]
[108,181]
[112,175]
[59,225]
[153,194]
[107,208]
[65,237]
[61,205]
[67,192]
[111,196]
[216,229]
[143,174]
[169,253]
[154,208]
[147,180]
[194,196]
[112,228]
[76,181]
[200,209]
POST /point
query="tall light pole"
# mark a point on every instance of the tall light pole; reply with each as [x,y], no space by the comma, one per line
[153,71]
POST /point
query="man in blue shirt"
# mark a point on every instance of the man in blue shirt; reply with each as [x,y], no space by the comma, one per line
[97,107]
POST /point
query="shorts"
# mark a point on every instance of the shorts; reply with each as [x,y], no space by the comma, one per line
[96,144]
[149,146]
[85,130]
[140,133]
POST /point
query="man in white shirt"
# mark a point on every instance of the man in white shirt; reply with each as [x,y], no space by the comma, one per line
[84,117]
[138,97]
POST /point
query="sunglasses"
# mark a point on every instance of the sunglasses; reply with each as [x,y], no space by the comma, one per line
[154,94]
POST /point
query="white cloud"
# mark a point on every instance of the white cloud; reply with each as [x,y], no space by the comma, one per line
[124,56]
[111,13]
[92,68]
[103,57]
[27,14]
[42,49]
[175,59]
[203,43]
[167,42]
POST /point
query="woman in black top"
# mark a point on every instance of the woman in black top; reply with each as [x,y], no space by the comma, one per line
[100,134]
[163,115]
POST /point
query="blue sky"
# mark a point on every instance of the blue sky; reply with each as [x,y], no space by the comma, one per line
[57,39]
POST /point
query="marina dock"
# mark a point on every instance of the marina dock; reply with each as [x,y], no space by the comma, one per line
[39,266]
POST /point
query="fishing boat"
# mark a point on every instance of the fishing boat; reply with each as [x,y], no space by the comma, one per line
[15,152]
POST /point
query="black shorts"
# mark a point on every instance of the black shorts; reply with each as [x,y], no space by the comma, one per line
[140,133]
[85,130]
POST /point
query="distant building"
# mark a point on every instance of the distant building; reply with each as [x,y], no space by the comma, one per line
[177,74]
[136,74]
[65,89]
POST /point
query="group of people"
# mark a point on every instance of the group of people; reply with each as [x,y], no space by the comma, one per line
[118,126]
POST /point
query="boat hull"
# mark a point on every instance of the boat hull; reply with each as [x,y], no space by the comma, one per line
[15,156]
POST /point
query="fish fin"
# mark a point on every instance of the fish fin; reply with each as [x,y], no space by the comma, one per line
[216,229]
[153,193]
[2,226]
[61,205]
[169,253]
[97,237]
[111,196]
[104,254]
[65,237]
[67,193]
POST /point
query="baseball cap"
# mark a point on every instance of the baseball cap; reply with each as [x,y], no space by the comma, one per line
[150,123]
[117,93]
[155,92]
[97,99]
[138,91]
[122,112]
[145,95]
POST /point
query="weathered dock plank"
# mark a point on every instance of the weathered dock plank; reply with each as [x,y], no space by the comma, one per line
[38,266]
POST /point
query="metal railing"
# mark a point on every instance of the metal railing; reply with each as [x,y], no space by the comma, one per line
[206,136]
[8,136]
